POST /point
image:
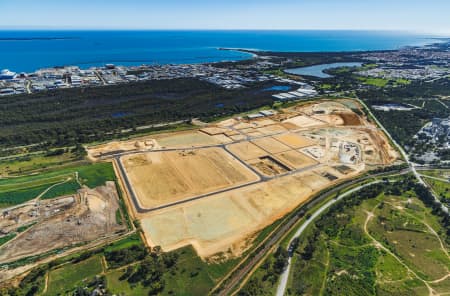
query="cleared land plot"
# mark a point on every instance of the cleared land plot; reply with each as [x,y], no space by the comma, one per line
[271,145]
[295,159]
[188,139]
[269,166]
[255,134]
[350,119]
[304,121]
[271,129]
[246,150]
[264,122]
[164,177]
[72,275]
[243,125]
[228,220]
[294,141]
[329,118]
[214,130]
[238,137]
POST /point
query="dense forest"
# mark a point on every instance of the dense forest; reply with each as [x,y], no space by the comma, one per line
[81,115]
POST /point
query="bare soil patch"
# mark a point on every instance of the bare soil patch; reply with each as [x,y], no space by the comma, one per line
[246,150]
[164,177]
[271,145]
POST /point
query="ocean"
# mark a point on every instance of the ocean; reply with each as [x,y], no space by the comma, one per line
[27,51]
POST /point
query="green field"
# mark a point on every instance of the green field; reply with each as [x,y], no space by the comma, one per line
[68,187]
[7,238]
[395,250]
[130,269]
[378,82]
[441,188]
[30,163]
[129,241]
[190,275]
[438,173]
[71,275]
[21,189]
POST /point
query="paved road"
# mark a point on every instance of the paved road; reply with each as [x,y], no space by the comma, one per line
[285,275]
[261,178]
[406,157]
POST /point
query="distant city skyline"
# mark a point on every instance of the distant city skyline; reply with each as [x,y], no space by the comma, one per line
[400,15]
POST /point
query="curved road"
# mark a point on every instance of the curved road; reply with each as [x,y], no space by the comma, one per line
[285,275]
[406,157]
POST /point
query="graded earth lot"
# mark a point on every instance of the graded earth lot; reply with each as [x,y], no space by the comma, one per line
[217,187]
[227,220]
[164,177]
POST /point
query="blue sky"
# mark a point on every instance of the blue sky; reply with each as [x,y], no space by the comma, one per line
[430,16]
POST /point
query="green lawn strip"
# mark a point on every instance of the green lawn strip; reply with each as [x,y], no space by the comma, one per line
[7,238]
[119,217]
[26,163]
[9,184]
[69,187]
[22,195]
[70,275]
[438,173]
[96,174]
[441,188]
[25,227]
[131,240]
[19,190]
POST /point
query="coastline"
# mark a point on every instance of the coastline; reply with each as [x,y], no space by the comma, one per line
[21,50]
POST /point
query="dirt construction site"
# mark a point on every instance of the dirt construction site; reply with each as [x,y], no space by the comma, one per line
[217,186]
[58,223]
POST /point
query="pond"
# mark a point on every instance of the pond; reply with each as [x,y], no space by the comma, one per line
[317,70]
[278,88]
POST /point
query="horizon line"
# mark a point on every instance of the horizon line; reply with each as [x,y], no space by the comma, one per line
[424,34]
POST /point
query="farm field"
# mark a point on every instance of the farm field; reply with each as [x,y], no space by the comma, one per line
[14,191]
